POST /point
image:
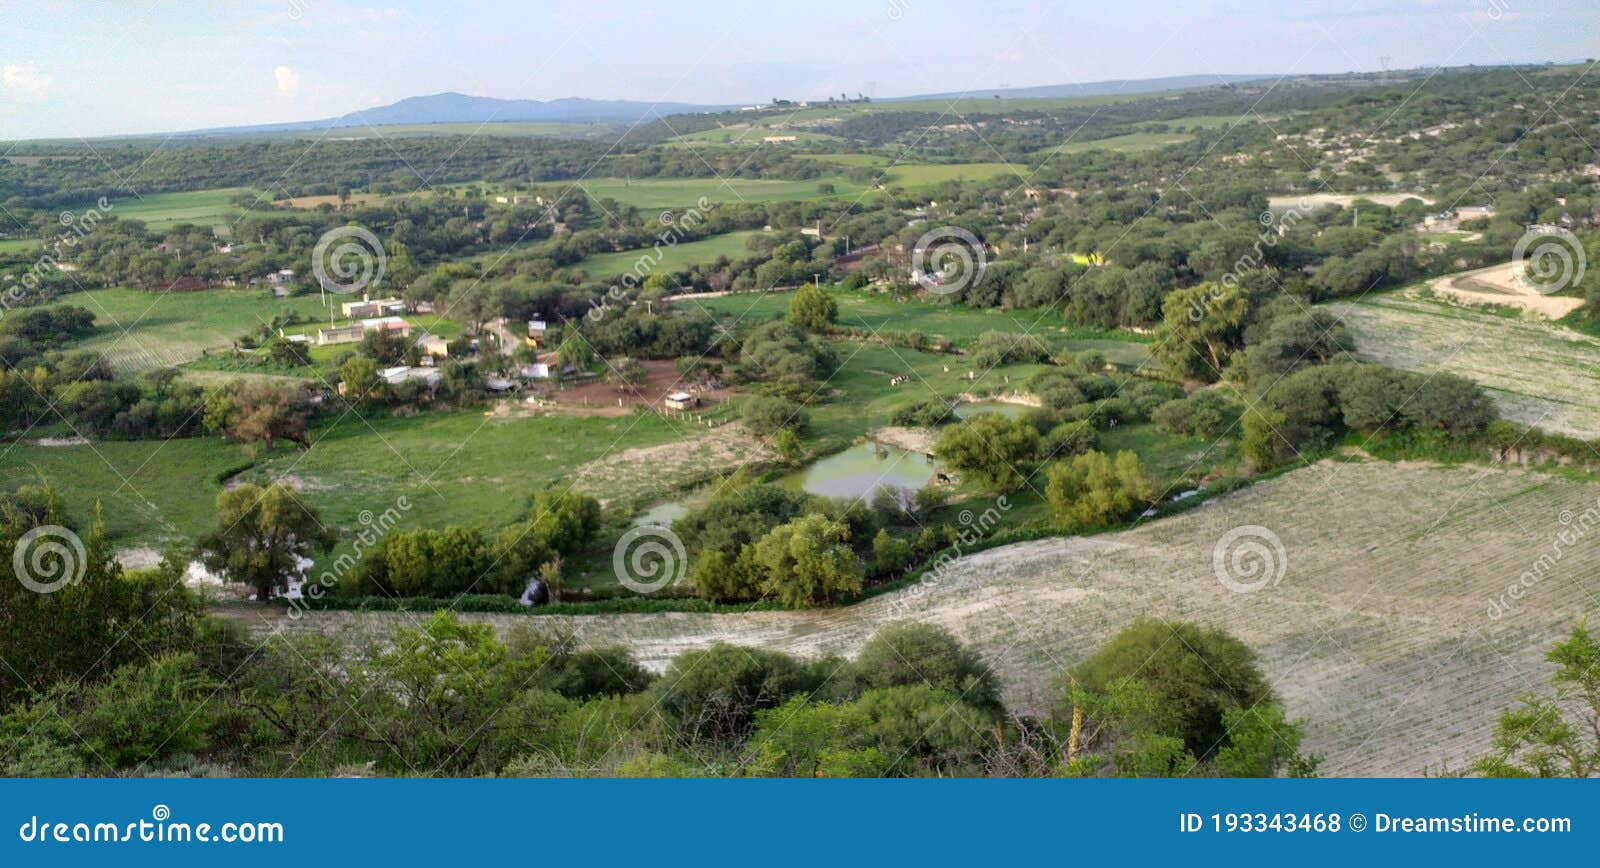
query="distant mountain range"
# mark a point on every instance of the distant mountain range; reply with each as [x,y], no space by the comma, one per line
[1114,87]
[459,108]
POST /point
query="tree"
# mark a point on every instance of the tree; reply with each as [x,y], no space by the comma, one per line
[255,411]
[1186,680]
[1094,489]
[1556,735]
[359,374]
[907,653]
[809,561]
[1200,329]
[812,308]
[261,537]
[997,452]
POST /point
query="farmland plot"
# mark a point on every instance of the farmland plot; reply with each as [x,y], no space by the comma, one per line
[1379,632]
[1537,372]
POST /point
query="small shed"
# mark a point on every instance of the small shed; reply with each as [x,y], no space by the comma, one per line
[681,401]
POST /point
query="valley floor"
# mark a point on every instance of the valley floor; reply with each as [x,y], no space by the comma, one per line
[1380,632]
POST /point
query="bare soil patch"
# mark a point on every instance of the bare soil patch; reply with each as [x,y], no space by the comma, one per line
[1506,285]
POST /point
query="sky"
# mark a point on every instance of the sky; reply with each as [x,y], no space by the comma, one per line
[86,68]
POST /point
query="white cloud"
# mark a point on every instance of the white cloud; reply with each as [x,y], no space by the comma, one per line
[23,80]
[288,81]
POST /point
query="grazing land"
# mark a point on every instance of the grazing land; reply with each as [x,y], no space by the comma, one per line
[159,210]
[1537,372]
[1394,664]
[733,245]
[138,331]
[683,192]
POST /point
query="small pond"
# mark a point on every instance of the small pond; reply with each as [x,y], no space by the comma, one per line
[863,469]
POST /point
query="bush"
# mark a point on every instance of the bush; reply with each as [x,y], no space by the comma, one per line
[1094,489]
[908,653]
[768,415]
[1070,438]
[925,414]
[716,692]
[1206,413]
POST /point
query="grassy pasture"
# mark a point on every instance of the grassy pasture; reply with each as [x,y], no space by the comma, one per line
[453,467]
[158,210]
[962,325]
[139,330]
[18,245]
[683,192]
[676,257]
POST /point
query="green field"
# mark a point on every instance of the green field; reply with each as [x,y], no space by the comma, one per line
[675,258]
[962,325]
[138,330]
[929,174]
[684,192]
[204,207]
[744,134]
[1127,143]
[18,245]
[453,467]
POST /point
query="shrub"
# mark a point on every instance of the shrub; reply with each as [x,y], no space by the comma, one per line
[1094,489]
[768,415]
[925,414]
[1206,413]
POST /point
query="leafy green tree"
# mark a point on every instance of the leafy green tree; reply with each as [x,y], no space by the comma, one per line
[1174,680]
[1201,327]
[1095,489]
[768,415]
[252,411]
[809,561]
[1555,735]
[812,308]
[715,693]
[359,375]
[908,653]
[261,536]
[998,453]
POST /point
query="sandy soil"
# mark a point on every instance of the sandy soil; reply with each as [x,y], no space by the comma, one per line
[1503,284]
[1343,200]
[1379,634]
[909,439]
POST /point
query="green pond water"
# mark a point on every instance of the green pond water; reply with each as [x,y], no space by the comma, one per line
[856,472]
[861,470]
